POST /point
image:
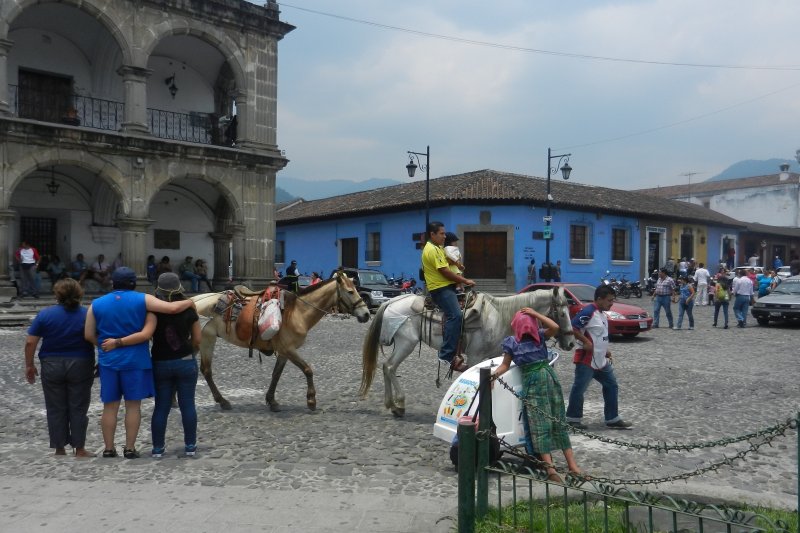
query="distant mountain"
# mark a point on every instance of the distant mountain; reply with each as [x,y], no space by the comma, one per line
[754,167]
[282,196]
[315,190]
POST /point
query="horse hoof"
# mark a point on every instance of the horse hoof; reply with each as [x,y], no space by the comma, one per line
[225,405]
[312,406]
[275,407]
[398,412]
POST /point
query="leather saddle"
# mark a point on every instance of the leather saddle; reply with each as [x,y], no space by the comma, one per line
[247,323]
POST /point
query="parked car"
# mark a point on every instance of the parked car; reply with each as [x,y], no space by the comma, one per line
[623,319]
[302,282]
[783,303]
[757,269]
[784,271]
[372,285]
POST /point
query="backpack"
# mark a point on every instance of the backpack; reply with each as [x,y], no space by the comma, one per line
[722,293]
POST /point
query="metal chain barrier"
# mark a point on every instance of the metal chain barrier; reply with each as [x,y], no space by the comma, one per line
[765,436]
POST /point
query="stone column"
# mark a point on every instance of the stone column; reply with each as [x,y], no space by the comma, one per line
[134,241]
[7,290]
[244,119]
[222,243]
[135,80]
[239,261]
[5,106]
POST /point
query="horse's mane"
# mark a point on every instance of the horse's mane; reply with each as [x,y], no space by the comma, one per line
[508,305]
[312,288]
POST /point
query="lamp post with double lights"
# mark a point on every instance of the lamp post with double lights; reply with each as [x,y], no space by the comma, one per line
[412,168]
[548,219]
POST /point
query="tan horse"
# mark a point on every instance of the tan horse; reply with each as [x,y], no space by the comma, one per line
[302,311]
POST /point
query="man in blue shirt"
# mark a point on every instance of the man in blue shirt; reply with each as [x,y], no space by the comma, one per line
[120,324]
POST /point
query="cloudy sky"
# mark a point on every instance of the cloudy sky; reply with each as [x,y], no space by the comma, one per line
[692,87]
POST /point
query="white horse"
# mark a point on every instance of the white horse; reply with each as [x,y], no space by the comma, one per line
[402,321]
[302,311]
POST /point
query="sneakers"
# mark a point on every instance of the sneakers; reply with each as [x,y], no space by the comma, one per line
[619,424]
[157,453]
[676,328]
[190,450]
[691,328]
[110,453]
[577,425]
[131,453]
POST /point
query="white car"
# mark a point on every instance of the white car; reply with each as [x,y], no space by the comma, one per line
[784,272]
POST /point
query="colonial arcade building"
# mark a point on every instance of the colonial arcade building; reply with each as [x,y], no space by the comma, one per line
[140,127]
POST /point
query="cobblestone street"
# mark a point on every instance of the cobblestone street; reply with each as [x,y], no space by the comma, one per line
[676,386]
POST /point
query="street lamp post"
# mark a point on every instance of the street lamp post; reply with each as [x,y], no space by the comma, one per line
[412,168]
[551,170]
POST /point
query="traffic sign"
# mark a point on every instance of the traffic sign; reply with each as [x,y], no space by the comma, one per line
[547,233]
[547,218]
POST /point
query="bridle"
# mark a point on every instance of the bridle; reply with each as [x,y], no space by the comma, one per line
[344,303]
[555,314]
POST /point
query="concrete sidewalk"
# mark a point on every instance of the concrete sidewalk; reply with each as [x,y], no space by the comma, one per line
[47,505]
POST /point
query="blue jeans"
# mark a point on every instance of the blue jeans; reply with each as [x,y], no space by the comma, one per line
[664,301]
[194,278]
[724,306]
[584,374]
[170,376]
[685,307]
[446,300]
[740,307]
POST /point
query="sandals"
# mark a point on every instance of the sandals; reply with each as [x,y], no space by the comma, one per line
[130,453]
[110,453]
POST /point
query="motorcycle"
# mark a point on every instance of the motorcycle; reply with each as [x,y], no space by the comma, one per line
[650,283]
[613,283]
[636,288]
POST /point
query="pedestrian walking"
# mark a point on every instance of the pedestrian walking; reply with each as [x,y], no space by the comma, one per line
[721,299]
[701,276]
[532,272]
[685,302]
[593,361]
[665,288]
[742,290]
[28,258]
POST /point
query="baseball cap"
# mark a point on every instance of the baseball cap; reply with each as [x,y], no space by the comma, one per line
[123,276]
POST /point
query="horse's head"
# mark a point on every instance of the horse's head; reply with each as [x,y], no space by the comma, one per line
[348,299]
[559,312]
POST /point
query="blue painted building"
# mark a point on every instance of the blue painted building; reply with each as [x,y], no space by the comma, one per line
[499,220]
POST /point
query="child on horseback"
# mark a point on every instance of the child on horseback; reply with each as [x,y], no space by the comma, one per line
[527,349]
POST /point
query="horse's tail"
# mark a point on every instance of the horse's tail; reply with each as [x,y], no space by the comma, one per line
[369,352]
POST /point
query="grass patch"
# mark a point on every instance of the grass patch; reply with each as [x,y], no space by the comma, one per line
[593,516]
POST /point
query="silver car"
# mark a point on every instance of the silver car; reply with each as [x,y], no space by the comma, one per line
[783,303]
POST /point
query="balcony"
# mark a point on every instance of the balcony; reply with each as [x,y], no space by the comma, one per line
[97,113]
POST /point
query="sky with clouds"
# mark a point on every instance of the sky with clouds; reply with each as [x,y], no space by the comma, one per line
[355,96]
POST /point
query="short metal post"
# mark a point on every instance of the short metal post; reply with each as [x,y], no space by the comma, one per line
[466,475]
[485,442]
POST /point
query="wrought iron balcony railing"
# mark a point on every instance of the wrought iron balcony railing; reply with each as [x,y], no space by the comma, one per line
[97,113]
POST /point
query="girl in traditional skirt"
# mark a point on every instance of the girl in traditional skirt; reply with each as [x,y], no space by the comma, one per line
[527,349]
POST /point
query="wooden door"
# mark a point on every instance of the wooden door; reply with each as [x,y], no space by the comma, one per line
[45,97]
[485,254]
[350,252]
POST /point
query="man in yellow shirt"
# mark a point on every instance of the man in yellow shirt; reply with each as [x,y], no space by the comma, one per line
[441,283]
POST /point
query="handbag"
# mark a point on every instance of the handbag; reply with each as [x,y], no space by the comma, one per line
[675,298]
[269,322]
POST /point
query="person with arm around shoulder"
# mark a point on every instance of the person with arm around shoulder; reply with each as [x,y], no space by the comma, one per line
[593,361]
[120,324]
[441,283]
[67,363]
[527,349]
[176,340]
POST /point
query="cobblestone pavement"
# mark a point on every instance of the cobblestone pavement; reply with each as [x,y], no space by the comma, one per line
[675,386]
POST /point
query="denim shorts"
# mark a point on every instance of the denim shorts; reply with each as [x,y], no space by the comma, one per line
[130,384]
